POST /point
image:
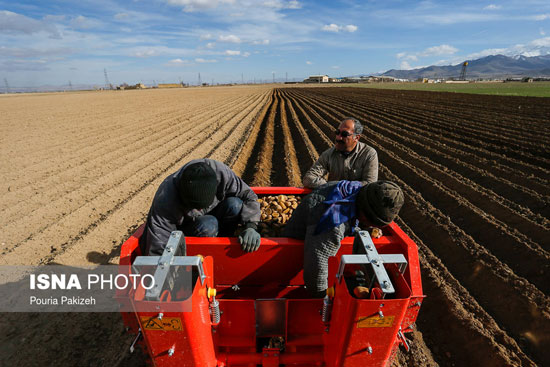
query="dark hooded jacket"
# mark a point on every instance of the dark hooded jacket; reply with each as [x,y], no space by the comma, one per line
[167,212]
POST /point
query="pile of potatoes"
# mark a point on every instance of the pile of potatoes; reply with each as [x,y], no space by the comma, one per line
[275,212]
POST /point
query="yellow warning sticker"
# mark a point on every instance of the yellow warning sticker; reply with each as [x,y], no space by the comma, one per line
[165,324]
[375,321]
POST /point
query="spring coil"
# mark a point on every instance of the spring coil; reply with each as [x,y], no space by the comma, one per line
[215,311]
[327,308]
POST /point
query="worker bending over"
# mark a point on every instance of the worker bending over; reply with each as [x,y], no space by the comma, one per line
[204,198]
[349,159]
[330,212]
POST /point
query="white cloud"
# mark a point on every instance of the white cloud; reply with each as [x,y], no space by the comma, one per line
[16,23]
[205,37]
[260,42]
[232,52]
[278,4]
[81,22]
[492,7]
[537,47]
[542,32]
[439,50]
[406,58]
[178,62]
[309,62]
[120,16]
[210,45]
[350,28]
[335,67]
[405,65]
[54,18]
[246,54]
[25,52]
[541,17]
[337,28]
[331,28]
[146,53]
[196,5]
[205,61]
[231,38]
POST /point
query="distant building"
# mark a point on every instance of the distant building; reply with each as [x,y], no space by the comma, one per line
[376,79]
[317,79]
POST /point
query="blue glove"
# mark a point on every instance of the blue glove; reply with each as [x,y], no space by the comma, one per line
[250,240]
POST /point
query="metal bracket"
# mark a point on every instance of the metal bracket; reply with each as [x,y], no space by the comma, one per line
[167,265]
[403,339]
[138,336]
[366,254]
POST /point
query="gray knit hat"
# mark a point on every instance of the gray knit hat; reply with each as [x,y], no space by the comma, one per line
[197,185]
[380,201]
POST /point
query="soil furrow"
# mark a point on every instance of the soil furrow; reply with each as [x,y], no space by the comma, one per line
[293,174]
[530,199]
[423,127]
[116,195]
[67,180]
[64,206]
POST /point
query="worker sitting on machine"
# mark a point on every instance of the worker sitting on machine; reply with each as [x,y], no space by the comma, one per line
[348,159]
[204,198]
[332,211]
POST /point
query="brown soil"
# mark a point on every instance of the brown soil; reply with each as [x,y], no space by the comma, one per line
[80,170]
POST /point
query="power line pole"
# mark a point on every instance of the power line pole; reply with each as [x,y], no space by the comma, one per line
[70,85]
[273,77]
[286,77]
[212,82]
[200,83]
[242,78]
[108,85]
[7,85]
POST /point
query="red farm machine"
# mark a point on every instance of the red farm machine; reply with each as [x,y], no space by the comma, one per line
[251,309]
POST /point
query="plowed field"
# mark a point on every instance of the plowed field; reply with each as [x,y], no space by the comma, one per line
[79,172]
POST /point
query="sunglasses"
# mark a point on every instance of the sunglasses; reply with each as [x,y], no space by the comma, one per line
[343,134]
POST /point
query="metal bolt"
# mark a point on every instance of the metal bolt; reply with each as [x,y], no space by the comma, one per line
[174,234]
[380,314]
[160,316]
[369,350]
[375,262]
[326,330]
[417,303]
[385,284]
[171,352]
[169,249]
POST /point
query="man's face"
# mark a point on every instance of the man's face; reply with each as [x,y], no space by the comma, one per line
[346,139]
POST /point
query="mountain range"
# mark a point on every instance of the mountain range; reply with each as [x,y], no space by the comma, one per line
[495,66]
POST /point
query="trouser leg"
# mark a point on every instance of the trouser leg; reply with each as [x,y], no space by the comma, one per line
[203,226]
[228,213]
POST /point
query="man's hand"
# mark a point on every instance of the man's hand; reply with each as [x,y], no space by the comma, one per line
[250,240]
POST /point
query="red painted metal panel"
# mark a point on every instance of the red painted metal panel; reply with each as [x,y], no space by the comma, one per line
[275,271]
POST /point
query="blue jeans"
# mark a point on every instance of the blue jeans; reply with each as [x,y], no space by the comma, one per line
[222,220]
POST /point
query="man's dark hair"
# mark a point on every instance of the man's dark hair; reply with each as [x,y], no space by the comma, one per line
[357,127]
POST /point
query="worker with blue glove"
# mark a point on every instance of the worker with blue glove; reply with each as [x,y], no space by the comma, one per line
[333,211]
[204,198]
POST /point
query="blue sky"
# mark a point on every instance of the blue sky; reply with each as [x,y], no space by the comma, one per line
[54,42]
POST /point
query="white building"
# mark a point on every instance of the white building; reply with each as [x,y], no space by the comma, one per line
[317,79]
